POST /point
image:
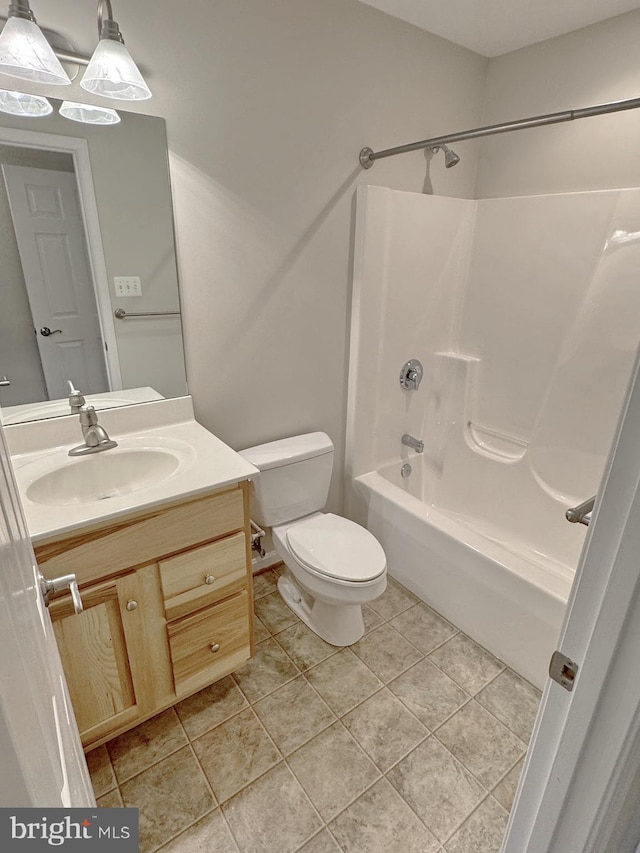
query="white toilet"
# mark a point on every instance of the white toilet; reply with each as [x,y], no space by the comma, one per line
[334,565]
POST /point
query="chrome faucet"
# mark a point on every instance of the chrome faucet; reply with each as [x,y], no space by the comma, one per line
[412,442]
[95,436]
[76,400]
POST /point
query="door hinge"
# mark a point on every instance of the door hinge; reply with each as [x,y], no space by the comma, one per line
[563,670]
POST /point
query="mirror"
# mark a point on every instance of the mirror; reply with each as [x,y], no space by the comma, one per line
[89,292]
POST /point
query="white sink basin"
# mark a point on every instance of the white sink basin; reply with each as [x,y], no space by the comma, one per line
[104,475]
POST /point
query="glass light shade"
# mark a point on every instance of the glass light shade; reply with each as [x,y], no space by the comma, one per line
[25,53]
[21,104]
[88,113]
[113,73]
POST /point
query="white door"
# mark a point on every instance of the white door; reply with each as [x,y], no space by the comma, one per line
[50,234]
[581,784]
[41,758]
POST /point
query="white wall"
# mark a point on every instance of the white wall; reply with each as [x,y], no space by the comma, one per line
[590,66]
[267,106]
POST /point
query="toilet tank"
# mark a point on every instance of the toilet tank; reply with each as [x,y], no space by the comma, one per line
[294,477]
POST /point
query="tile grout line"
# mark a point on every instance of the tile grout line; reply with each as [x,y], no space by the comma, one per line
[208,784]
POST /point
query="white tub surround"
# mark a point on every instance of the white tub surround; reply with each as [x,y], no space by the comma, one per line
[524,316]
[203,462]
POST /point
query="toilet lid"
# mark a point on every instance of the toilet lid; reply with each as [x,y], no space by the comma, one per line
[336,547]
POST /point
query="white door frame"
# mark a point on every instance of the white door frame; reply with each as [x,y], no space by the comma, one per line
[42,758]
[584,756]
[79,150]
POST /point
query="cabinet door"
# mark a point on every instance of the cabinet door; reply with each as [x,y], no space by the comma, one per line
[94,647]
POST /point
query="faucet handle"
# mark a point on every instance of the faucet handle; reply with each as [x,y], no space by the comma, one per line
[411,375]
[88,415]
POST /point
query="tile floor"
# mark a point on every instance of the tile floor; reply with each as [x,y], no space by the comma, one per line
[410,740]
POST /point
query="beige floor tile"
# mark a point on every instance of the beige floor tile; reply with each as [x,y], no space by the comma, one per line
[323,842]
[437,787]
[505,791]
[102,776]
[513,701]
[267,670]
[209,835]
[210,707]
[467,663]
[272,815]
[370,618]
[264,584]
[112,800]
[294,714]
[482,832]
[333,770]
[304,647]
[380,821]
[260,633]
[480,742]
[274,613]
[139,748]
[384,729]
[428,693]
[386,652]
[343,681]
[170,796]
[393,601]
[235,753]
[423,627]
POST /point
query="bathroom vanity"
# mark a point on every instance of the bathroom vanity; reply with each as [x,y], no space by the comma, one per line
[164,575]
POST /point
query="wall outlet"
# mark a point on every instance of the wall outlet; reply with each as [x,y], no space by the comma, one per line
[127,285]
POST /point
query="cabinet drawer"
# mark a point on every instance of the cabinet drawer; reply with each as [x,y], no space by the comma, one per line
[135,540]
[192,641]
[203,575]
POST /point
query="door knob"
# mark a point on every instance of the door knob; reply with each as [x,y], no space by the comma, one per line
[48,587]
[45,331]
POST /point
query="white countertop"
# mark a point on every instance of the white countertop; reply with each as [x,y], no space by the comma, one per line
[39,448]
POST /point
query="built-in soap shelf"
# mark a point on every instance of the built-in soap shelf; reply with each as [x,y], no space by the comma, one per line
[458,373]
[506,448]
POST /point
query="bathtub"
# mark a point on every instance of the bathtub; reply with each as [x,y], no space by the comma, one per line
[509,598]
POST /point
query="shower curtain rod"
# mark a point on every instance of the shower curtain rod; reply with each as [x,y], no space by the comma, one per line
[368,156]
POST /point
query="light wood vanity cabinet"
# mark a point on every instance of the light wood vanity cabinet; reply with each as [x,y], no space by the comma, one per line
[168,607]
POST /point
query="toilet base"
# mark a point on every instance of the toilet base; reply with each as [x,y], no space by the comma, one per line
[336,624]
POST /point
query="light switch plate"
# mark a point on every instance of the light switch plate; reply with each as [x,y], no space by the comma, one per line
[128,285]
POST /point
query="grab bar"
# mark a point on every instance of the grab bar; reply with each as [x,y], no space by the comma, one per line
[121,314]
[582,513]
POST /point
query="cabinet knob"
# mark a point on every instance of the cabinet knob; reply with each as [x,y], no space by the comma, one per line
[215,647]
[131,605]
[209,579]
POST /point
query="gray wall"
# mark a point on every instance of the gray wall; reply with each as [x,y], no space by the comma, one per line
[267,106]
[590,66]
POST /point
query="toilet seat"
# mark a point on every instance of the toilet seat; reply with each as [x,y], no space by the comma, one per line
[334,547]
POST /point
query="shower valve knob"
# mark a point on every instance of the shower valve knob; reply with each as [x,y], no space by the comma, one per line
[411,375]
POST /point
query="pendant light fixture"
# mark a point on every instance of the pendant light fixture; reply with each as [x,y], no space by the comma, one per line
[89,113]
[25,52]
[22,104]
[112,72]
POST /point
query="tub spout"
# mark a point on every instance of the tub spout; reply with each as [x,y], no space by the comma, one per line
[412,442]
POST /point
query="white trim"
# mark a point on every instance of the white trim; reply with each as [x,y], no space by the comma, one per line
[79,150]
[582,753]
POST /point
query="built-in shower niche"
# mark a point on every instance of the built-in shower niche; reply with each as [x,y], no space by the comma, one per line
[526,316]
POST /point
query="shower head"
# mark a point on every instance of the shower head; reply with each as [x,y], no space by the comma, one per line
[450,157]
